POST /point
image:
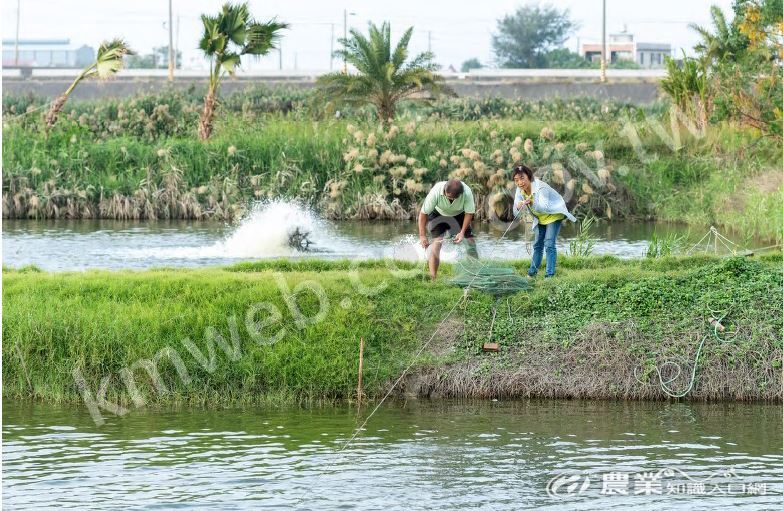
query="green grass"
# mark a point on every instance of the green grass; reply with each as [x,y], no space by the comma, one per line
[101,322]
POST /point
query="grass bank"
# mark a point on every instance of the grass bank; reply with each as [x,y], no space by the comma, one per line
[163,336]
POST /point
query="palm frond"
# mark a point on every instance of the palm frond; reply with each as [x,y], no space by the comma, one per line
[233,22]
[229,62]
[262,37]
[381,41]
[719,21]
[109,59]
[401,51]
[361,53]
[211,41]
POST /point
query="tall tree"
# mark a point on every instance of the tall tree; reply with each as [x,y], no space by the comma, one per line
[384,74]
[470,64]
[750,89]
[226,38]
[563,58]
[524,38]
[108,61]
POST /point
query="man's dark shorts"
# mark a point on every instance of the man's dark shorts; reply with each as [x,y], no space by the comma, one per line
[438,224]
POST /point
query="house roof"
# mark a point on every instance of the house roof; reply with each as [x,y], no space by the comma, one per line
[40,45]
[654,46]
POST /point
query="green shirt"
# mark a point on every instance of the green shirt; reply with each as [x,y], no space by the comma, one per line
[544,218]
[437,201]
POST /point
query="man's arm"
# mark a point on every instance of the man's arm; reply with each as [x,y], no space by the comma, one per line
[423,230]
[470,210]
[466,222]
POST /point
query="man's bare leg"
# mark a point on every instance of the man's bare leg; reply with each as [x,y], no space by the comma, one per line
[471,249]
[435,256]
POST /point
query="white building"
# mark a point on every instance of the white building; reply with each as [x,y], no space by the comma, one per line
[622,47]
[46,53]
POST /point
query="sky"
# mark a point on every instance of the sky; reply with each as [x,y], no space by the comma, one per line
[455,30]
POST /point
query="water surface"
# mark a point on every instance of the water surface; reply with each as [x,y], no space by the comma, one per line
[78,245]
[414,455]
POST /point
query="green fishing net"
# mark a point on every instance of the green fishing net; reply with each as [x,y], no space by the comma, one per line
[488,277]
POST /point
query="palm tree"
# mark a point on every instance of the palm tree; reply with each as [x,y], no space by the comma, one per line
[688,87]
[384,77]
[109,61]
[722,43]
[227,37]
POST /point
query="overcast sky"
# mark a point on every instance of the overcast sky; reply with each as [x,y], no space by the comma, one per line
[458,29]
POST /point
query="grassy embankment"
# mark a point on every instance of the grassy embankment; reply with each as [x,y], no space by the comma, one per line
[580,335]
[135,159]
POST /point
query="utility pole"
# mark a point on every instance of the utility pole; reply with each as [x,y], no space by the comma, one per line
[280,56]
[16,43]
[176,44]
[345,38]
[171,44]
[603,45]
[331,50]
[429,41]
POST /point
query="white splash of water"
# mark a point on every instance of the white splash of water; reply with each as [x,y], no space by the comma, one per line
[408,248]
[264,233]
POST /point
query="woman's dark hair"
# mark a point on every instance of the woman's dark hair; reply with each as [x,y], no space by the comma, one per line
[518,170]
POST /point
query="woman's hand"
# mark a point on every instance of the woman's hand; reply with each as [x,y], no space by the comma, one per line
[523,203]
[458,237]
[424,242]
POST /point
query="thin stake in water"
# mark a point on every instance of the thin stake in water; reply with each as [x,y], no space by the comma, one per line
[359,390]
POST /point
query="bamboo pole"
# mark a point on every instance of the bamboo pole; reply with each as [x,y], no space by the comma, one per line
[359,391]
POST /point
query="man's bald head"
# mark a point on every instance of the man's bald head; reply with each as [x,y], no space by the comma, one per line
[454,188]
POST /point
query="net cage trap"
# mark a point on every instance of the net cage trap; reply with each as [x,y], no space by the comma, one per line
[496,280]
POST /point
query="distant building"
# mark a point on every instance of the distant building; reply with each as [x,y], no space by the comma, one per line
[622,47]
[47,53]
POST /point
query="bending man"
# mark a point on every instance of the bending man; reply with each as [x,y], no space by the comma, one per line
[448,207]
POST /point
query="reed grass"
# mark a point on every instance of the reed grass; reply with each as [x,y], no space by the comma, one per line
[147,163]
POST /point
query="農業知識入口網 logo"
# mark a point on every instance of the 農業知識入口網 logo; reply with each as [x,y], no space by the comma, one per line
[666,481]
[565,485]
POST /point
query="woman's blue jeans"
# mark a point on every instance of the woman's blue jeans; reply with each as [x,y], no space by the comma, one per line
[546,236]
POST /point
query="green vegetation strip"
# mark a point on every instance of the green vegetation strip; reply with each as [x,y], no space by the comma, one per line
[140,158]
[581,334]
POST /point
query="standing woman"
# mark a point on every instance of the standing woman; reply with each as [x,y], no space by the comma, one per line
[548,209]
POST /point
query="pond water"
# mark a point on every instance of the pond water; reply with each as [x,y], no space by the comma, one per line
[412,455]
[84,244]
